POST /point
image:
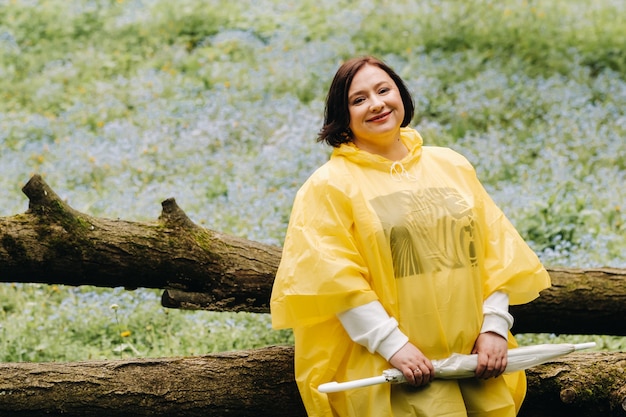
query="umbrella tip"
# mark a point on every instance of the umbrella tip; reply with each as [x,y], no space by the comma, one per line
[328,387]
[581,346]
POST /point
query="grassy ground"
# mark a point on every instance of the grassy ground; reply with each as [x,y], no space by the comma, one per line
[121,104]
[57,323]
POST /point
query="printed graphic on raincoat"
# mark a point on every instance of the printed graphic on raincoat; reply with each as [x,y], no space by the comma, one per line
[420,235]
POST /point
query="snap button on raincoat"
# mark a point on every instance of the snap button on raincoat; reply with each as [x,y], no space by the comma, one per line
[423,237]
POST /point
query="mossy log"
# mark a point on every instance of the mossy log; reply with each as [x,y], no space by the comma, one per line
[53,243]
[202,269]
[585,384]
[580,301]
[260,383]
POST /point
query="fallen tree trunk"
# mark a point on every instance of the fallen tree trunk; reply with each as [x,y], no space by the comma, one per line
[590,384]
[202,269]
[53,243]
[260,383]
[239,384]
[580,301]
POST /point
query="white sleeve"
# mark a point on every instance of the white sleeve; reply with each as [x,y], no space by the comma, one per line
[496,314]
[369,325]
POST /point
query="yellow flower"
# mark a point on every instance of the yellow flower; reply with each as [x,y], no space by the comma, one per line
[125,333]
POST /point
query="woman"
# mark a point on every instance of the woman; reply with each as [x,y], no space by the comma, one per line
[394,256]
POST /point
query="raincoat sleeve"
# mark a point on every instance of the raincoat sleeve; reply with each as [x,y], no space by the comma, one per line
[509,265]
[321,272]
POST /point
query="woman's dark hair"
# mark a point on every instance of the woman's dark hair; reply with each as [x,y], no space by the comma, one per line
[337,116]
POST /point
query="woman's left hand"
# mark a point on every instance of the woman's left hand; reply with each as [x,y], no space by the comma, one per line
[492,350]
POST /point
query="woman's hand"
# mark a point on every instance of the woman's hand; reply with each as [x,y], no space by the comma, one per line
[417,368]
[492,350]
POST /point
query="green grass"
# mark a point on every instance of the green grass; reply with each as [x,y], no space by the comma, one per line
[121,104]
[42,323]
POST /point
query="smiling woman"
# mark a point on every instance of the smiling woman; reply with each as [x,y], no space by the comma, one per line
[389,244]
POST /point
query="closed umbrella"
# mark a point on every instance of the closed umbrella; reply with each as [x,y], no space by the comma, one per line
[460,366]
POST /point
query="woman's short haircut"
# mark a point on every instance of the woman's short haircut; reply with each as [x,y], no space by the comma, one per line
[337,116]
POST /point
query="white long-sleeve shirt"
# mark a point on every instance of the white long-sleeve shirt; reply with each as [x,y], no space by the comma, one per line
[370,325]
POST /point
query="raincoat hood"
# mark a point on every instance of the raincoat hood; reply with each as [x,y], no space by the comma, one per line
[411,139]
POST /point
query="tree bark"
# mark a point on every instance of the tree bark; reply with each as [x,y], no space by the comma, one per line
[580,301]
[202,269]
[260,383]
[53,243]
[239,384]
[585,384]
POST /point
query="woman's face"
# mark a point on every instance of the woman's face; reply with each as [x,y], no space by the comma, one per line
[375,107]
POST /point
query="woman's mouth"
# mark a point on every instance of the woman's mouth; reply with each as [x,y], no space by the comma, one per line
[379,118]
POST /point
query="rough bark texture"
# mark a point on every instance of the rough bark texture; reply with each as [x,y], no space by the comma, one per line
[252,383]
[52,243]
[580,301]
[260,383]
[590,385]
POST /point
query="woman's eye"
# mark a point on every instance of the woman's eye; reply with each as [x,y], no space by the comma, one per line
[358,100]
[383,90]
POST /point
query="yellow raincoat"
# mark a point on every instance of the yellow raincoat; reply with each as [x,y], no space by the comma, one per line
[420,235]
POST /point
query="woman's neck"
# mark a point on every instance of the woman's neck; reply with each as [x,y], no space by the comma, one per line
[395,150]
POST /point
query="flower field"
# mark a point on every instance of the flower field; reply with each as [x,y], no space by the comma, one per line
[122,104]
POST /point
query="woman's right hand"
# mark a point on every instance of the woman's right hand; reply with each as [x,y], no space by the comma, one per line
[417,368]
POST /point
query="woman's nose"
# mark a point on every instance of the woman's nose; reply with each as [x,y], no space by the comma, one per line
[376,104]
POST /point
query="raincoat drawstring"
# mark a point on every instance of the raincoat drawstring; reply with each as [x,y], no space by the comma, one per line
[398,172]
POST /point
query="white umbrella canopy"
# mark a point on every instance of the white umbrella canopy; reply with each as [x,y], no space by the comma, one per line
[459,366]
